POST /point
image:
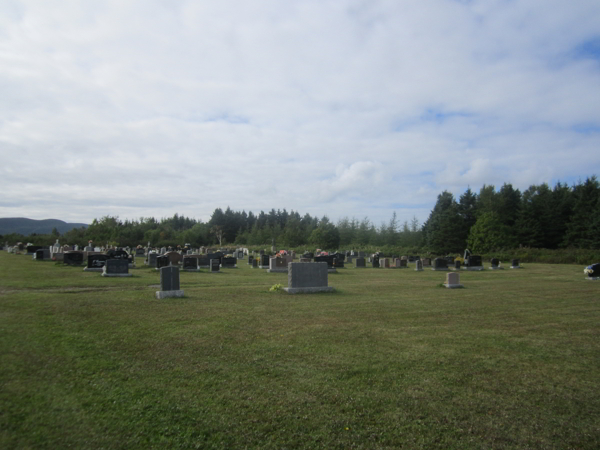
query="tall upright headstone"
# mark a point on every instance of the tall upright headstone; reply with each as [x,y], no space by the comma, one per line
[419,266]
[169,283]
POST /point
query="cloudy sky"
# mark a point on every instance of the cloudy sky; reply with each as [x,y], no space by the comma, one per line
[338,107]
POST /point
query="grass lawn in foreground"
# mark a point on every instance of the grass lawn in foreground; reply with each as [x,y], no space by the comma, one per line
[390,360]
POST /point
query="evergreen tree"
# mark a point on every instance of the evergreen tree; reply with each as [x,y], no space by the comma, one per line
[581,227]
[489,233]
[444,227]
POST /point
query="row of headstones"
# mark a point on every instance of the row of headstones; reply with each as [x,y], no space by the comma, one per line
[302,278]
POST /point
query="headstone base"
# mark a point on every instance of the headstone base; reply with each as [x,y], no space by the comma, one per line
[332,270]
[93,269]
[418,270]
[496,268]
[278,270]
[453,286]
[117,275]
[168,294]
[440,269]
[473,268]
[309,290]
[263,267]
[515,267]
[360,267]
[593,278]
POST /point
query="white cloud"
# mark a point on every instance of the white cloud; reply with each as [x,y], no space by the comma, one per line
[344,108]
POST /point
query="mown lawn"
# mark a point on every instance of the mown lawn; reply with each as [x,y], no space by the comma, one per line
[390,360]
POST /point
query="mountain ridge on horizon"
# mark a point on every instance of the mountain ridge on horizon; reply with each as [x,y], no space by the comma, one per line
[26,227]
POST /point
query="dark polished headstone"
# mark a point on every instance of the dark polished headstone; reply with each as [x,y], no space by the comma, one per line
[169,278]
[162,261]
[73,258]
[116,268]
[440,264]
[228,262]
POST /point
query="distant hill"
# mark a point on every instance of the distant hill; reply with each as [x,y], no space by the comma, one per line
[26,227]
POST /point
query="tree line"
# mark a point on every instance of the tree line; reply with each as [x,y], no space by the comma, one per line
[492,219]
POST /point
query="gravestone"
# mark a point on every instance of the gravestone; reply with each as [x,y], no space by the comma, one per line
[228,262]
[73,258]
[42,254]
[161,261]
[384,263]
[140,252]
[116,268]
[308,278]
[375,262]
[453,280]
[457,264]
[215,265]
[440,264]
[31,249]
[592,271]
[215,255]
[152,259]
[169,283]
[95,263]
[449,260]
[203,262]
[308,255]
[190,264]
[326,259]
[255,263]
[418,265]
[426,262]
[264,262]
[278,265]
[174,258]
[403,263]
[338,263]
[473,262]
[515,264]
[250,259]
[495,264]
[361,263]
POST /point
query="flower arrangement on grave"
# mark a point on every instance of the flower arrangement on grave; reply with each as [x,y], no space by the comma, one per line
[276,287]
[590,270]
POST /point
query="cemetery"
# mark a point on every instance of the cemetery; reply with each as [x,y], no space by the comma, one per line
[371,355]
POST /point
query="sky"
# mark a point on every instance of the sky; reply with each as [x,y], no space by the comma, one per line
[343,108]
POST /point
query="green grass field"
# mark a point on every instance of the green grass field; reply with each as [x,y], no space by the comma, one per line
[390,360]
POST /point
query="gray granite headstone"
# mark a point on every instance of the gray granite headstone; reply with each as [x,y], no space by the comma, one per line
[215,265]
[307,278]
[360,263]
[169,283]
